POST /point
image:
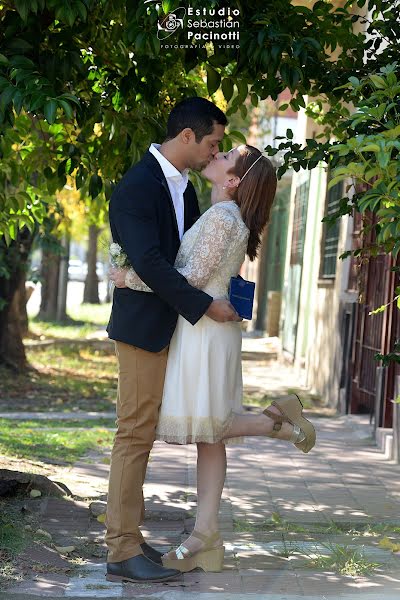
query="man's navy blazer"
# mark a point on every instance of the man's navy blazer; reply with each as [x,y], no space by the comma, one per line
[143,223]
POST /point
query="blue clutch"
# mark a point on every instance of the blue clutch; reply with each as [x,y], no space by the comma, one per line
[241,296]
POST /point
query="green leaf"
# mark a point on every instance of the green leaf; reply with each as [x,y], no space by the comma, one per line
[336,180]
[226,144]
[294,78]
[12,230]
[354,81]
[155,44]
[242,89]
[18,101]
[7,237]
[6,96]
[140,41]
[22,7]
[378,310]
[378,81]
[227,88]
[254,99]
[19,45]
[238,135]
[3,60]
[50,109]
[370,148]
[65,14]
[213,80]
[69,97]
[283,107]
[95,185]
[3,83]
[67,108]
[23,199]
[81,10]
[383,159]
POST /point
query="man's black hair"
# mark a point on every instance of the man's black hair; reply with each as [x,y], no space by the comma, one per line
[198,114]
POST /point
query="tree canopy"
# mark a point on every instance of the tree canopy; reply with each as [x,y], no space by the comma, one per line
[85,86]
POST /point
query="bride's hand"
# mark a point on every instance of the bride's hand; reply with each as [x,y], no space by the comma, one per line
[118,276]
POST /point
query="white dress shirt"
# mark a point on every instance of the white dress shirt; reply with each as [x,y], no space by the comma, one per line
[177,183]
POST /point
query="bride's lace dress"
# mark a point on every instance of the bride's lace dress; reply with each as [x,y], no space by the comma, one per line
[203,382]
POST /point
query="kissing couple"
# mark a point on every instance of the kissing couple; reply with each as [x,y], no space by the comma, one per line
[178,338]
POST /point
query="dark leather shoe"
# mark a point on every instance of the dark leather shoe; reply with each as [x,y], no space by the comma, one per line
[151,553]
[139,569]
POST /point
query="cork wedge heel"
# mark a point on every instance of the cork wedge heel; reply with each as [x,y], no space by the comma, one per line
[291,410]
[210,558]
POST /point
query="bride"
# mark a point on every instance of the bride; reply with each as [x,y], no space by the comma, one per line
[202,398]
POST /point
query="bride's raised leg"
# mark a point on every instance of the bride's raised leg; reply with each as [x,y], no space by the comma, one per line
[283,419]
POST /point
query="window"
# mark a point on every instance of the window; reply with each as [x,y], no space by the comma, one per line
[299,223]
[331,233]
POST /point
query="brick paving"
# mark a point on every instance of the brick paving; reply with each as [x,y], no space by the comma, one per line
[279,509]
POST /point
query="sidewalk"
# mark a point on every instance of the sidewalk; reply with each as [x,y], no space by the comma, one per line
[280,509]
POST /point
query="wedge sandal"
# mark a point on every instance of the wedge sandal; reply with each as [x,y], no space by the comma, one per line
[210,558]
[291,410]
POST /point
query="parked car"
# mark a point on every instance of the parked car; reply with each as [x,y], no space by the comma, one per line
[100,271]
[76,270]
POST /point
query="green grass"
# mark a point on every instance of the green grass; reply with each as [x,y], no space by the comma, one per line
[84,319]
[54,330]
[276,523]
[340,558]
[12,534]
[13,539]
[61,423]
[97,314]
[66,377]
[344,560]
[22,440]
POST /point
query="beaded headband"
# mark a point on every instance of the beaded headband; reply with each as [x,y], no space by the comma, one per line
[251,166]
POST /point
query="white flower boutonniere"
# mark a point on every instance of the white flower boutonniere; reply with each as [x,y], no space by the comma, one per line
[118,257]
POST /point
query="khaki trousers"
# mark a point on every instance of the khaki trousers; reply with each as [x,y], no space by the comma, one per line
[140,387]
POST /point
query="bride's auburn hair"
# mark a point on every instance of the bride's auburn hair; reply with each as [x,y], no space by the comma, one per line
[255,194]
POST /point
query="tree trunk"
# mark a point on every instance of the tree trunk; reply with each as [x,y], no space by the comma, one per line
[13,261]
[91,291]
[49,277]
[22,299]
[63,281]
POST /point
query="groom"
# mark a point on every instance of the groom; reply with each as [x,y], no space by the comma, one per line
[150,209]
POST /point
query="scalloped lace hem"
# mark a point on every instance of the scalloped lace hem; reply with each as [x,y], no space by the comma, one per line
[191,430]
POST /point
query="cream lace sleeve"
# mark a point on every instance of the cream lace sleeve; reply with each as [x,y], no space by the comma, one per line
[133,281]
[218,231]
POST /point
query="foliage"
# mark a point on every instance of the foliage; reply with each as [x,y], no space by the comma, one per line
[371,153]
[359,131]
[84,85]
[360,144]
